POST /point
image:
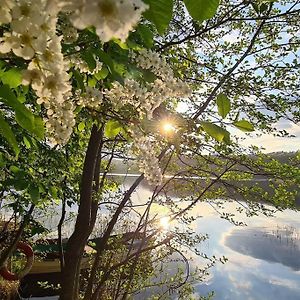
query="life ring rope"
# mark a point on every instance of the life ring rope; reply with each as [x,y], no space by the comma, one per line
[27,250]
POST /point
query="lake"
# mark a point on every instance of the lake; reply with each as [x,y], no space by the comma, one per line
[263,257]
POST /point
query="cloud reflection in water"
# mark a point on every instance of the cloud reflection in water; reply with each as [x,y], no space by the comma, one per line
[277,246]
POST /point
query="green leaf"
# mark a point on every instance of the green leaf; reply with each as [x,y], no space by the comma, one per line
[263,7]
[223,104]
[119,68]
[26,142]
[159,13]
[110,64]
[7,133]
[102,74]
[34,193]
[79,79]
[255,6]
[146,35]
[226,138]
[105,58]
[201,10]
[88,57]
[148,76]
[20,184]
[2,161]
[92,82]
[21,98]
[112,129]
[20,180]
[121,44]
[133,45]
[2,65]
[53,192]
[244,125]
[81,126]
[12,77]
[14,169]
[39,128]
[24,117]
[216,132]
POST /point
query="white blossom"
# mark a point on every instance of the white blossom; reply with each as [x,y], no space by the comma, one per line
[150,60]
[60,122]
[5,11]
[145,150]
[91,98]
[30,28]
[145,98]
[28,10]
[32,35]
[76,61]
[33,75]
[111,18]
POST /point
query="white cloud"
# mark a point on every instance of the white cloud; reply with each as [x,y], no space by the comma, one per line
[232,37]
[250,99]
[287,283]
[240,284]
[272,143]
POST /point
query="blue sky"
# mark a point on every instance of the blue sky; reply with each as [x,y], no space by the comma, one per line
[268,142]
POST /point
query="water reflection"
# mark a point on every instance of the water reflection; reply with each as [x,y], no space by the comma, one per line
[281,245]
[264,257]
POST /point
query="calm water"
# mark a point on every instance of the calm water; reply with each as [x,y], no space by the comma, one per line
[263,257]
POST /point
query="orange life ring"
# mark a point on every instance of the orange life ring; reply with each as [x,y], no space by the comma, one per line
[27,250]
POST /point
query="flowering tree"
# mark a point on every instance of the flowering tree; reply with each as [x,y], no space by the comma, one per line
[84,82]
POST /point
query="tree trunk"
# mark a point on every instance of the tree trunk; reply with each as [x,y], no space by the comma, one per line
[84,223]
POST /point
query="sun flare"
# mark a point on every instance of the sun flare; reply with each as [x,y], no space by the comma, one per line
[168,127]
[164,223]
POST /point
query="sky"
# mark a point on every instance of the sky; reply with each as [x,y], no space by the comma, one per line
[267,142]
[271,143]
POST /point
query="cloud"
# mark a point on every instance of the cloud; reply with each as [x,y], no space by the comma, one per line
[287,283]
[271,246]
[240,284]
[232,37]
[272,143]
[250,99]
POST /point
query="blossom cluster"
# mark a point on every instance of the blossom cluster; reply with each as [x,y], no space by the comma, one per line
[172,86]
[32,35]
[5,8]
[76,61]
[35,35]
[145,150]
[111,18]
[146,97]
[91,98]
[132,93]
